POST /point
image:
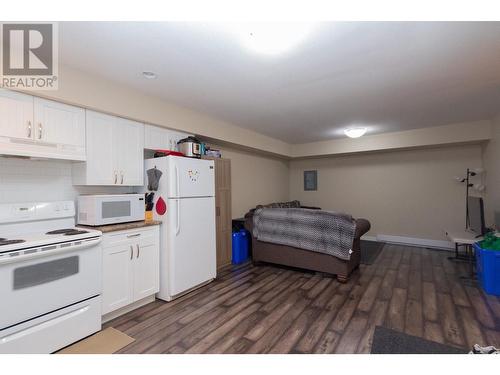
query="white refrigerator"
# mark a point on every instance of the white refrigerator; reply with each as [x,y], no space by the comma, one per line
[187,232]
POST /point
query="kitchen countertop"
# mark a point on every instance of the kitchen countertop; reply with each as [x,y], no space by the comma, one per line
[122,226]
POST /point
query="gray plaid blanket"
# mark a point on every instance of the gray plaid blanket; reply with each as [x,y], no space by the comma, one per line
[315,230]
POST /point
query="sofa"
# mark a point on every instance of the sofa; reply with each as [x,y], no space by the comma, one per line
[305,259]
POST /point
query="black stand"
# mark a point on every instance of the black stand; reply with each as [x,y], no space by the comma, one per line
[469,251]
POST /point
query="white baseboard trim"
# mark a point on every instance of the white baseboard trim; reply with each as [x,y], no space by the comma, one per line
[419,242]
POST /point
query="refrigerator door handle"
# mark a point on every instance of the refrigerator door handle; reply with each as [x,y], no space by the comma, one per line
[177,182]
[178,221]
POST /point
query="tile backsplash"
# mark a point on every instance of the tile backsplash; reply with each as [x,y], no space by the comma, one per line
[27,180]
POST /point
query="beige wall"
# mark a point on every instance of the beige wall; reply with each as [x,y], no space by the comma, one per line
[436,136]
[403,193]
[491,157]
[255,179]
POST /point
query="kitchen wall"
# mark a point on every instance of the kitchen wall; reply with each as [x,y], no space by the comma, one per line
[255,179]
[403,193]
[491,157]
[25,180]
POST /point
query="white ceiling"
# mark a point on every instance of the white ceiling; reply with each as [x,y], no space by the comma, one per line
[386,76]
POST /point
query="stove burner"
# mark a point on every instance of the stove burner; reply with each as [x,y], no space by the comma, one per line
[10,242]
[74,232]
[67,231]
[61,231]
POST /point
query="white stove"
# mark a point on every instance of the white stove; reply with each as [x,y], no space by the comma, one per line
[50,277]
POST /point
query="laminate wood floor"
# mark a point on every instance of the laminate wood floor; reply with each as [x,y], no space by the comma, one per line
[268,309]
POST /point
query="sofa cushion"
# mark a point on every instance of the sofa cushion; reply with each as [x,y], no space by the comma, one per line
[362,225]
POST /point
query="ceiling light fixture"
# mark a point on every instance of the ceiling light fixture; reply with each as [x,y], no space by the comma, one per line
[269,37]
[149,75]
[355,132]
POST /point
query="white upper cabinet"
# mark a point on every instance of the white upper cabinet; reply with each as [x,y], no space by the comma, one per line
[115,152]
[36,127]
[99,169]
[128,146]
[157,138]
[59,123]
[16,115]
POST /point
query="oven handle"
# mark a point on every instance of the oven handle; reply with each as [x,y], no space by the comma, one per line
[60,250]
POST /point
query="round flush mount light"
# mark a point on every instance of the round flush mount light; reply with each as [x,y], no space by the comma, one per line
[149,75]
[355,132]
[270,38]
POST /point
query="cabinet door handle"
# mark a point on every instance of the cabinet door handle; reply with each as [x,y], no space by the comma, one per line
[131,252]
[39,130]
[138,251]
[121,173]
[116,177]
[29,129]
[133,235]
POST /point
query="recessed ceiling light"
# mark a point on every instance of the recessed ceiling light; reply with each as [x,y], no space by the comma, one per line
[149,75]
[355,132]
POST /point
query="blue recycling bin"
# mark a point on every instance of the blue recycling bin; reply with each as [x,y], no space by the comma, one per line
[488,269]
[240,244]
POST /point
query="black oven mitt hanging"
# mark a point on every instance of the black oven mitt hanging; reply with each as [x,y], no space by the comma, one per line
[154,176]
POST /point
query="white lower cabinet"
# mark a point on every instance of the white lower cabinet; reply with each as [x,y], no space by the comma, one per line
[147,266]
[117,278]
[130,267]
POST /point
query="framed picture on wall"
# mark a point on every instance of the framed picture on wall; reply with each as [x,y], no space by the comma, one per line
[310,180]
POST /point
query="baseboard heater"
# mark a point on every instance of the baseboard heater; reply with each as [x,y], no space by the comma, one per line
[418,242]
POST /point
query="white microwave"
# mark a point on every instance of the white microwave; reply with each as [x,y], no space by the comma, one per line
[110,209]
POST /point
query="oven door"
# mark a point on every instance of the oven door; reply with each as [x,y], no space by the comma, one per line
[38,281]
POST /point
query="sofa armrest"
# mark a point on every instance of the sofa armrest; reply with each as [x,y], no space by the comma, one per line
[249,221]
[362,226]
